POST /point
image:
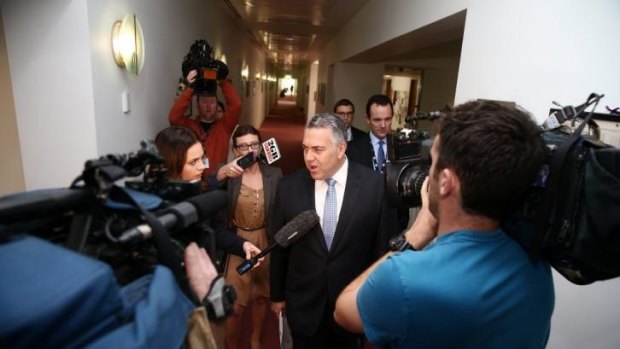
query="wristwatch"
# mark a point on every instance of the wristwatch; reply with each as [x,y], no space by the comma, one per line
[220,299]
[399,243]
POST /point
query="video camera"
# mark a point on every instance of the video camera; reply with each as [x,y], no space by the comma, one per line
[93,213]
[409,160]
[569,214]
[200,58]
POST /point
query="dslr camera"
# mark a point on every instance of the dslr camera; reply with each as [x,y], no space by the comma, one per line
[409,160]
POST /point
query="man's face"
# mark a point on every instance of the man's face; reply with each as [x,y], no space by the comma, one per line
[380,120]
[433,180]
[322,157]
[345,112]
[207,108]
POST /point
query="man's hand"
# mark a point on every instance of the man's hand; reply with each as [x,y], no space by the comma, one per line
[424,229]
[191,76]
[278,307]
[200,270]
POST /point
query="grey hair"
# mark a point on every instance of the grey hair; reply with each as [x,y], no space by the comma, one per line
[331,121]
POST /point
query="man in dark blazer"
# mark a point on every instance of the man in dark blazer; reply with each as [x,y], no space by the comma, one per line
[307,276]
[365,150]
[346,110]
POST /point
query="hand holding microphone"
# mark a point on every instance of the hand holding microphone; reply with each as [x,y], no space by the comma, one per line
[234,169]
[291,232]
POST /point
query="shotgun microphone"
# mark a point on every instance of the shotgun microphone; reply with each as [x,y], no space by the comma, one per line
[180,215]
[291,232]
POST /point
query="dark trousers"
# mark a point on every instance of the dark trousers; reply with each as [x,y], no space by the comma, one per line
[329,335]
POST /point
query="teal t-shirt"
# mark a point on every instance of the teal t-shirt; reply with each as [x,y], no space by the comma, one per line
[465,290]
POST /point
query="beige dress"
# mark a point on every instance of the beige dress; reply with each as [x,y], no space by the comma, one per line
[250,222]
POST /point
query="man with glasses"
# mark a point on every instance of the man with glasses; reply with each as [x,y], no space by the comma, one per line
[371,150]
[345,109]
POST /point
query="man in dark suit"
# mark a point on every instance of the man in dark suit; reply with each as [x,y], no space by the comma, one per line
[371,150]
[356,225]
[346,110]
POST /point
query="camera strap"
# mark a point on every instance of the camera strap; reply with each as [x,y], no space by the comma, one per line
[547,217]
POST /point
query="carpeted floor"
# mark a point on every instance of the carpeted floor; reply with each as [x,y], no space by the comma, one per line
[285,123]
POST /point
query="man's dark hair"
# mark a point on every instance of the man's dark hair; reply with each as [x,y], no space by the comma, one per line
[221,105]
[494,150]
[379,100]
[345,102]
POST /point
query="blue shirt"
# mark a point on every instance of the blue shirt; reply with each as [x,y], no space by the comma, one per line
[466,290]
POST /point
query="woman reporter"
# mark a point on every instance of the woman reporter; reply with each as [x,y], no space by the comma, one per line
[251,195]
[184,159]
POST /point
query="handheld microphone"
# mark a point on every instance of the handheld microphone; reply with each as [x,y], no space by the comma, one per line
[180,215]
[288,234]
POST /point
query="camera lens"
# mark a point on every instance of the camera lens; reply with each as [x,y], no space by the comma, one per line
[410,183]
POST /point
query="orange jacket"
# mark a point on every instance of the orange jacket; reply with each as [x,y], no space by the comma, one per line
[216,141]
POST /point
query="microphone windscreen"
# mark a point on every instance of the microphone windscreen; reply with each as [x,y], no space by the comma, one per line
[209,203]
[296,228]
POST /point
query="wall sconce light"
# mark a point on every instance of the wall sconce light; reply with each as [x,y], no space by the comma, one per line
[128,44]
[245,72]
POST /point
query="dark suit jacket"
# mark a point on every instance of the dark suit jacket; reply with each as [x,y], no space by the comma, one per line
[361,151]
[357,133]
[308,276]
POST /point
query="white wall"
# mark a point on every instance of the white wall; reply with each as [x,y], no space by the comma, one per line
[49,59]
[313,73]
[534,52]
[67,88]
[530,52]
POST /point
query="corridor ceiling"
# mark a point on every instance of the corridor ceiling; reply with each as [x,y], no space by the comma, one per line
[292,32]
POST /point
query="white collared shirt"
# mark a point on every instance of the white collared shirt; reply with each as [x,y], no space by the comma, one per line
[320,190]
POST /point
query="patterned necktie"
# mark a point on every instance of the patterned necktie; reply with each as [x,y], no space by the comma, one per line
[330,218]
[380,157]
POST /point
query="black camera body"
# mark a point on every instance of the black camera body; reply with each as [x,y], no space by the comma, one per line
[409,162]
[200,58]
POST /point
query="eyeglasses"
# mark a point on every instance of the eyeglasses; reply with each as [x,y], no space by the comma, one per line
[246,146]
[194,163]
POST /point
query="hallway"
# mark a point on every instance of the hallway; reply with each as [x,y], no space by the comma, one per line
[285,123]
